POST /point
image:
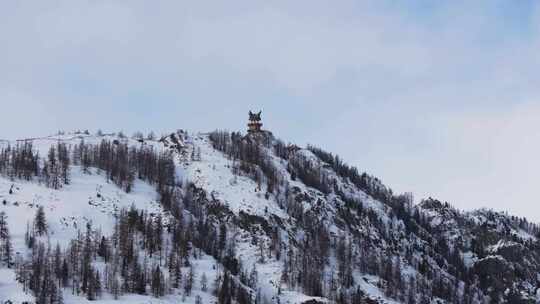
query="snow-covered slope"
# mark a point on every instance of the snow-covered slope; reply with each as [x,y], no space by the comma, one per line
[88,198]
[312,230]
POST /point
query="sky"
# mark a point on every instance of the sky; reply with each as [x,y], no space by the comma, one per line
[438,98]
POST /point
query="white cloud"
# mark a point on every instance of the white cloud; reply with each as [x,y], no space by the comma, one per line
[429,99]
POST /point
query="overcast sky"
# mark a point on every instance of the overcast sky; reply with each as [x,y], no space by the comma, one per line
[440,98]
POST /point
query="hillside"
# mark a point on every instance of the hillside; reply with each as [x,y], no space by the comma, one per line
[231,218]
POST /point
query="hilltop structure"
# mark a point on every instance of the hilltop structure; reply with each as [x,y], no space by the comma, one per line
[255,124]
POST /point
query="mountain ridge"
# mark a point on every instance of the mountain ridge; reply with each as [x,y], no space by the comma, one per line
[312,227]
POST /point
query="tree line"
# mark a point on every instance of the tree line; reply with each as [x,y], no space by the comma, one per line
[145,254]
[120,163]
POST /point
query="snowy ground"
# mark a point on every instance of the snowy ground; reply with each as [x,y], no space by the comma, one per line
[10,289]
[204,264]
[214,173]
[90,198]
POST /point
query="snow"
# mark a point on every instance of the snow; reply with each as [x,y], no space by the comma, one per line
[524,234]
[500,244]
[10,289]
[68,210]
[368,283]
[469,259]
[88,198]
[214,174]
[42,144]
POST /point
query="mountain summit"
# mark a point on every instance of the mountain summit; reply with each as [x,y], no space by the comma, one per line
[231,218]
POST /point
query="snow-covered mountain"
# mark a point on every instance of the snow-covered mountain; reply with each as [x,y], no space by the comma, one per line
[227,218]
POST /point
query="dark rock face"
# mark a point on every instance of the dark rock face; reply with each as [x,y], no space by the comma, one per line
[495,274]
[512,252]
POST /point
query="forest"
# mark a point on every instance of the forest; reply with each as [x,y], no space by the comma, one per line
[153,254]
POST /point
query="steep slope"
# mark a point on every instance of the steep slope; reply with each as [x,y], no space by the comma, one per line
[265,222]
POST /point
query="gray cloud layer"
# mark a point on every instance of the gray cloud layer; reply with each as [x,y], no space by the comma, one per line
[439,100]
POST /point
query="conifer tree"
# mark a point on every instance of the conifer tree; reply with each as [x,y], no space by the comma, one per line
[158,284]
[40,222]
[97,285]
[204,282]
[6,250]
[253,278]
[224,295]
[188,283]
